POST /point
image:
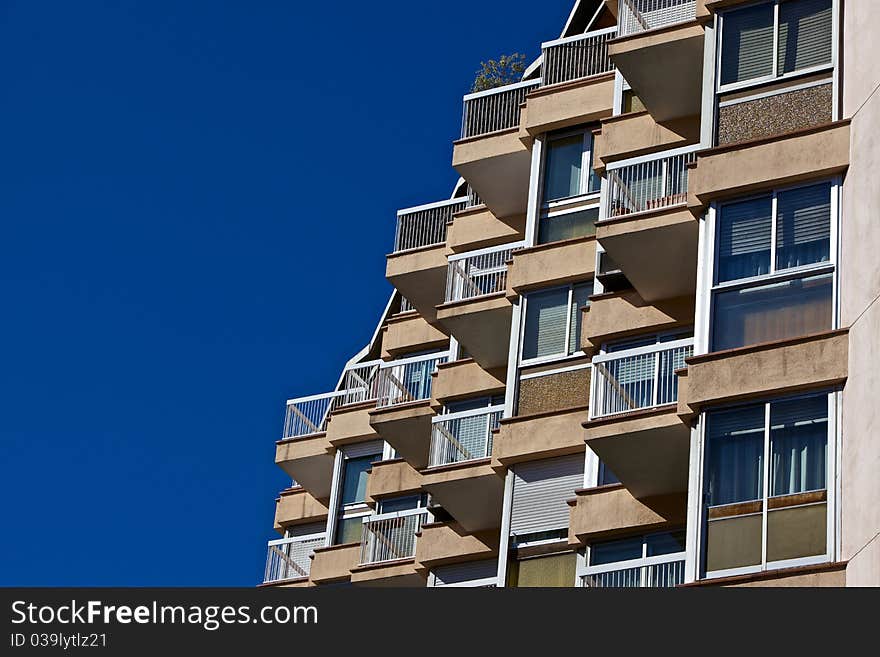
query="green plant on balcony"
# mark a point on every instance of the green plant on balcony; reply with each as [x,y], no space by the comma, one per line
[494,73]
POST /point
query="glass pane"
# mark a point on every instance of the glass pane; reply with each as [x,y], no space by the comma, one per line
[354,478]
[594,182]
[804,35]
[546,318]
[744,230]
[797,532]
[614,551]
[399,504]
[348,530]
[580,299]
[564,158]
[666,543]
[772,312]
[798,442]
[747,44]
[733,542]
[803,226]
[568,226]
[556,570]
[606,476]
[736,453]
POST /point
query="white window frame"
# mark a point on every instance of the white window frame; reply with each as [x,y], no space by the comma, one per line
[586,168]
[550,358]
[584,568]
[774,76]
[713,287]
[831,488]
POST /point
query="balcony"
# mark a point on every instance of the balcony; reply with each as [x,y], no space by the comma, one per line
[464,436]
[577,85]
[634,427]
[463,379]
[477,228]
[298,506]
[408,333]
[761,164]
[291,558]
[402,416]
[304,452]
[490,155]
[554,263]
[622,314]
[665,571]
[469,490]
[333,564]
[392,478]
[388,549]
[648,230]
[417,267]
[659,51]
[611,511]
[447,543]
[635,134]
[539,436]
[476,311]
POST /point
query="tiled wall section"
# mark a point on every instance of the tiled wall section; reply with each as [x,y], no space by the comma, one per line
[554,391]
[774,115]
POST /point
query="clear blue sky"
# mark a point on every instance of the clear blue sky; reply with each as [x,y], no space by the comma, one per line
[196,201]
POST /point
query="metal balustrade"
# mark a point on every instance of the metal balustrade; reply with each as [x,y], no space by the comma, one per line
[464,436]
[407,379]
[637,378]
[493,110]
[405,305]
[665,574]
[391,536]
[642,15]
[425,225]
[478,273]
[577,57]
[290,558]
[648,185]
[360,383]
[308,415]
[473,199]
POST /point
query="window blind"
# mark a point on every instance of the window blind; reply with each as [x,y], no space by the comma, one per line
[744,239]
[803,226]
[804,34]
[546,317]
[580,299]
[461,573]
[747,44]
[540,491]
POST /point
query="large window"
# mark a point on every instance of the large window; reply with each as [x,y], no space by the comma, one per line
[553,321]
[766,484]
[775,39]
[569,206]
[653,560]
[554,570]
[774,266]
[353,495]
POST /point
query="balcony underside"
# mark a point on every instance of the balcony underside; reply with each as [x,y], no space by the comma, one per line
[539,436]
[471,492]
[420,276]
[647,450]
[497,168]
[567,104]
[657,251]
[441,544]
[623,314]
[351,424]
[309,461]
[298,506]
[465,378]
[397,574]
[664,67]
[609,511]
[478,324]
[407,428]
[555,263]
[392,478]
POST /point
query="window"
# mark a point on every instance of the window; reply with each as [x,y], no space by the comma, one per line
[653,560]
[774,272]
[605,476]
[354,478]
[766,491]
[405,503]
[568,179]
[353,493]
[555,570]
[553,321]
[766,41]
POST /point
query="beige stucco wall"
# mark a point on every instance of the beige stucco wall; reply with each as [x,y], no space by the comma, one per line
[448,542]
[465,378]
[612,316]
[637,133]
[611,510]
[533,437]
[568,104]
[389,478]
[408,333]
[351,424]
[334,563]
[477,228]
[551,264]
[298,506]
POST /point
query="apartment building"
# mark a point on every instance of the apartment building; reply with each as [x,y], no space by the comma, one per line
[639,344]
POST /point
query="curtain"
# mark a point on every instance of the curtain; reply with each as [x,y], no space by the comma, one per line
[736,455]
[798,445]
[803,226]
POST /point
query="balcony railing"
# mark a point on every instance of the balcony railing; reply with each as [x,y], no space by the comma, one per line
[360,383]
[643,15]
[493,110]
[425,225]
[649,184]
[391,536]
[406,379]
[478,273]
[662,573]
[290,558]
[308,415]
[464,436]
[637,378]
[577,57]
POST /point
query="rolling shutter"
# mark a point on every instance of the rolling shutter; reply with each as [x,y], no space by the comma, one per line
[373,447]
[461,573]
[744,239]
[803,226]
[546,316]
[540,491]
[747,44]
[804,34]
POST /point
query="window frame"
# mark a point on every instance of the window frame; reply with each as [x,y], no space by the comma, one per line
[774,76]
[559,356]
[831,488]
[353,509]
[585,568]
[774,275]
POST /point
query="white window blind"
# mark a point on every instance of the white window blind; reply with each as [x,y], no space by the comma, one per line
[744,239]
[747,44]
[540,491]
[804,34]
[546,316]
[462,573]
[803,226]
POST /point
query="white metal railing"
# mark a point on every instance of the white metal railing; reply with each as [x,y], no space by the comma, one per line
[656,572]
[360,383]
[494,109]
[406,379]
[405,305]
[473,199]
[463,436]
[642,15]
[478,273]
[390,536]
[290,558]
[643,377]
[307,415]
[577,57]
[649,184]
[425,225]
